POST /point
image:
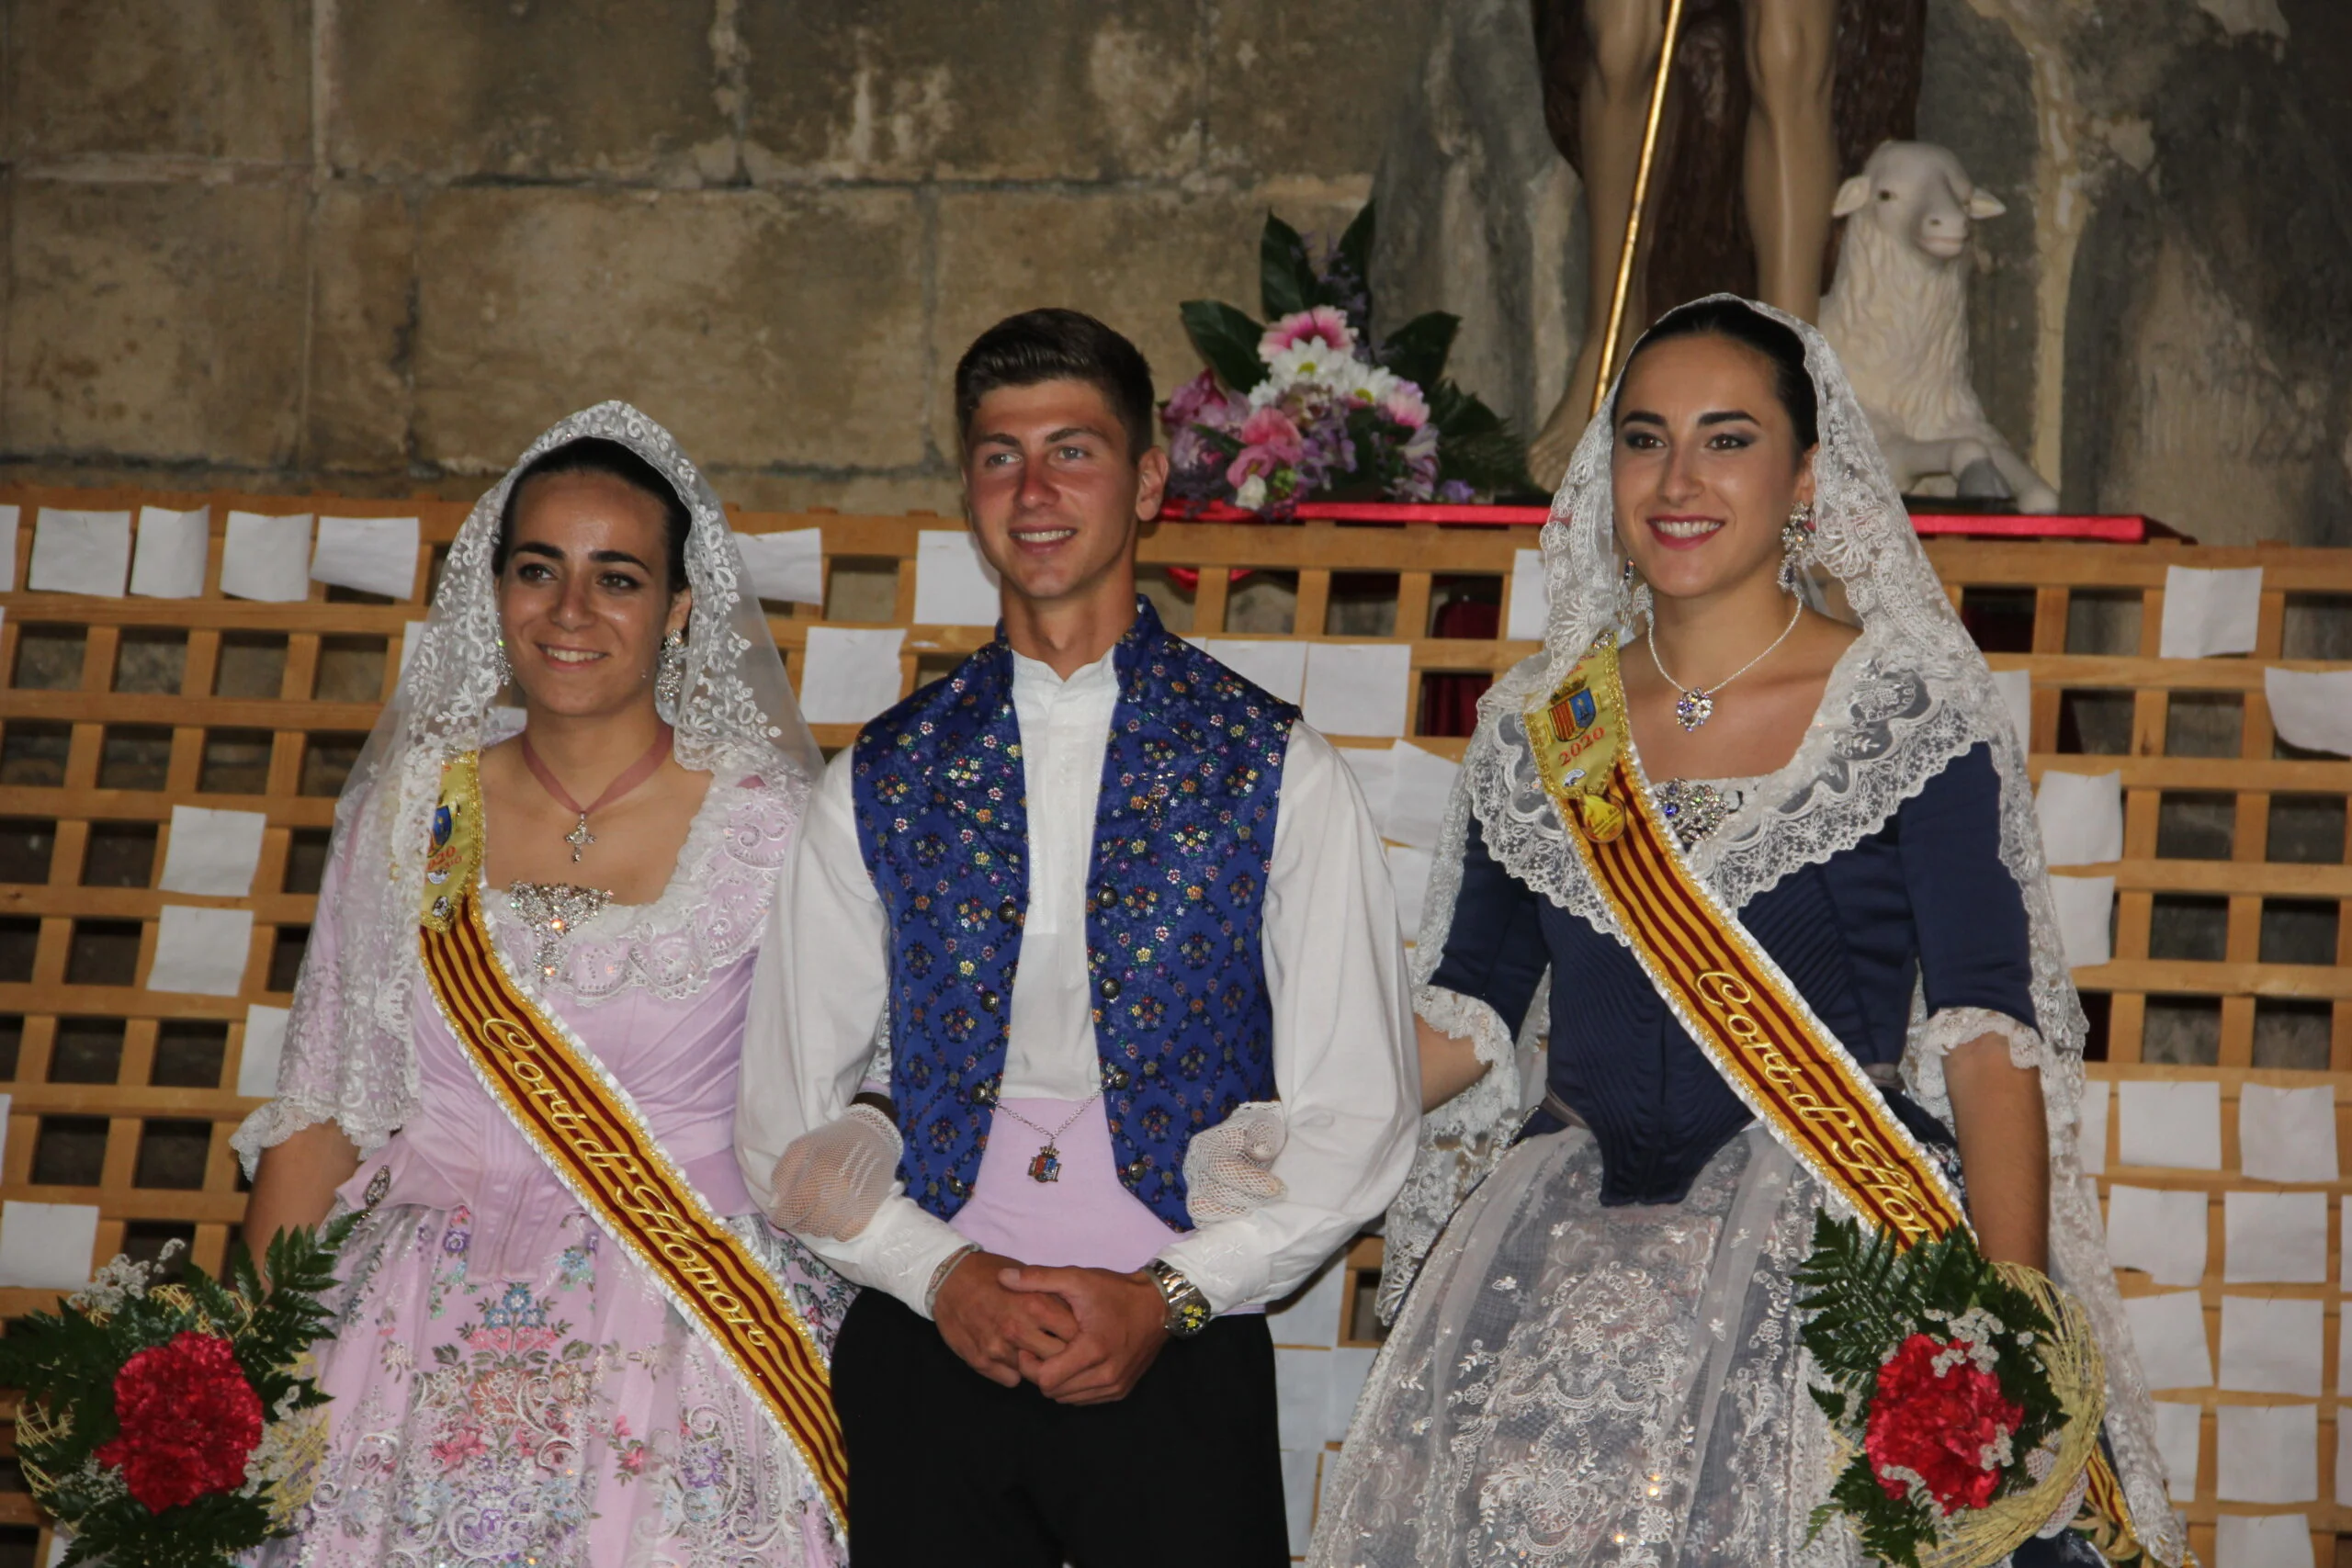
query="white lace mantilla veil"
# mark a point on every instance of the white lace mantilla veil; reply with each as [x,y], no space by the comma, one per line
[350,1023]
[1909,696]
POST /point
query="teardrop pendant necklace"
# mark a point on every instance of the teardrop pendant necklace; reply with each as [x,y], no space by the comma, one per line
[1697,703]
[580,838]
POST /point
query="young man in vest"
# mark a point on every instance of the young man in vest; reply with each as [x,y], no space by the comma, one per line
[1062,914]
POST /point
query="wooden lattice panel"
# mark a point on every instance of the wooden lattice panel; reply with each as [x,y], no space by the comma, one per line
[113,711]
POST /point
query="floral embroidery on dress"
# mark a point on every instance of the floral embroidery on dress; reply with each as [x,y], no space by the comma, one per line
[563,1421]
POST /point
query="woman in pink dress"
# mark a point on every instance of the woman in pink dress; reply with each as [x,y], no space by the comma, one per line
[509,1386]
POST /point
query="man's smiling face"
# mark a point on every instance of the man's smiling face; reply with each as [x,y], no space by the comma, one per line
[1053,494]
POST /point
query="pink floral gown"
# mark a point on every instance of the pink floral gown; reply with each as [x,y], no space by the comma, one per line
[508,1388]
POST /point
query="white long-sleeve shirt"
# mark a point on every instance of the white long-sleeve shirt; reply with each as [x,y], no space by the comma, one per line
[1344,1063]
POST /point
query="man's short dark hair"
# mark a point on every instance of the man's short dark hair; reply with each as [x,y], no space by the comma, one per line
[1057,346]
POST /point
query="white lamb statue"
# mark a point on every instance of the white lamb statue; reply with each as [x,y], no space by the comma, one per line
[1898,315]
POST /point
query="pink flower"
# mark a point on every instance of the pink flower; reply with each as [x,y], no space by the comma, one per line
[1404,405]
[1268,442]
[1322,324]
[1198,401]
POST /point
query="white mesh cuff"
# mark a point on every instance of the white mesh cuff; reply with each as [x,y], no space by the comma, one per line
[1228,1169]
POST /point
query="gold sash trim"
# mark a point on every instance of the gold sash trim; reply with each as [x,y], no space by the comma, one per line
[592,1137]
[1733,999]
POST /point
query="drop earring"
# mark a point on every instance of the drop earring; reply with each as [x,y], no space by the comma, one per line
[1796,545]
[499,667]
[669,675]
[1633,596]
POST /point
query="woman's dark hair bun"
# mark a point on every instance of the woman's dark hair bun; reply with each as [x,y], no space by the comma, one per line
[1743,324]
[599,455]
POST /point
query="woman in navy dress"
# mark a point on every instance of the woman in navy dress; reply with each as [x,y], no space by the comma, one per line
[1598,1359]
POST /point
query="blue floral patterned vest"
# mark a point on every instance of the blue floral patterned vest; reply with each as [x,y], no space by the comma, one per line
[1184,832]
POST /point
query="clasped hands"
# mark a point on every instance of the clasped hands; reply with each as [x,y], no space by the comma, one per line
[1082,1335]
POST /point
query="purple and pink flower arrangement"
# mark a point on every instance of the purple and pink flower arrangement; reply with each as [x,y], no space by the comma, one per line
[1314,407]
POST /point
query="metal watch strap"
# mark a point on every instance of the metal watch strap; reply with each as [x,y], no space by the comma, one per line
[1188,1309]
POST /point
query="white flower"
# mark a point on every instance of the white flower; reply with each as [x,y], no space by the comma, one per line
[1311,359]
[1252,494]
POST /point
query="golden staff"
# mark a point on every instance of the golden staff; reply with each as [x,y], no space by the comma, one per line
[1641,196]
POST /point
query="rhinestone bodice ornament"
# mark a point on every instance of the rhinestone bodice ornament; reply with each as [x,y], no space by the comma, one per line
[553,910]
[1696,808]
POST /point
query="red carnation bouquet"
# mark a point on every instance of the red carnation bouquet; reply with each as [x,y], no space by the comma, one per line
[1966,1408]
[176,1422]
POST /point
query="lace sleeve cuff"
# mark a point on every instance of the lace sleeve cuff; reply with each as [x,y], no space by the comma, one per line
[1467,1018]
[275,1122]
[1941,1032]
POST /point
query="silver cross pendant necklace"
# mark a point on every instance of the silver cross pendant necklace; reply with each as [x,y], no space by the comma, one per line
[580,838]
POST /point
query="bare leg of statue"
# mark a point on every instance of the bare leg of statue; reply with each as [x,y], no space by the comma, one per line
[1612,107]
[1791,157]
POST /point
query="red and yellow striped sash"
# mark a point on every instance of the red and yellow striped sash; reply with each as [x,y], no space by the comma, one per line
[1758,1031]
[592,1137]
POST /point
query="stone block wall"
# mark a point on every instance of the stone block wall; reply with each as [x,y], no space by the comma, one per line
[376,246]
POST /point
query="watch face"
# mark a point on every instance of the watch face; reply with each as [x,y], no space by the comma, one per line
[1194,1314]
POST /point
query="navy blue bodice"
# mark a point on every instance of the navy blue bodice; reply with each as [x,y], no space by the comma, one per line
[1184,833]
[1924,900]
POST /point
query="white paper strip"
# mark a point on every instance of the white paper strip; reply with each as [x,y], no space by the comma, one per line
[169,562]
[2086,908]
[2168,1330]
[46,1247]
[2262,1540]
[2311,709]
[201,951]
[2176,1124]
[1302,1396]
[2267,1453]
[266,558]
[788,568]
[213,852]
[954,587]
[2178,1430]
[2271,1346]
[2287,1134]
[1422,787]
[2081,818]
[1358,688]
[1531,601]
[374,555]
[2210,611]
[2016,687]
[9,517]
[1278,669]
[79,552]
[2091,1130]
[1409,872]
[2159,1231]
[2274,1237]
[412,632]
[264,1045]
[849,674]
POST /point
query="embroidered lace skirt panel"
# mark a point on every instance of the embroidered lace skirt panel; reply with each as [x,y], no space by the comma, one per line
[564,1416]
[1570,1384]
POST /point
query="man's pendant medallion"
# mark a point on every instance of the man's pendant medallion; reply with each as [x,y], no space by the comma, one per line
[580,838]
[1695,708]
[1045,1165]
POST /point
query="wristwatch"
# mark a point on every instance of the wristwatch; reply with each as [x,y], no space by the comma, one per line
[1187,1309]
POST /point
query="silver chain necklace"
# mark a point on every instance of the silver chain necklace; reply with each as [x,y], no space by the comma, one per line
[1047,1163]
[1697,703]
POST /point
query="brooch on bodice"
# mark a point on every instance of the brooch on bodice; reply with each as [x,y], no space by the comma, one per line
[552,910]
[1694,809]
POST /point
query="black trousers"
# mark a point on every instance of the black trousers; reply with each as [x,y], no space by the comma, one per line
[947,1467]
